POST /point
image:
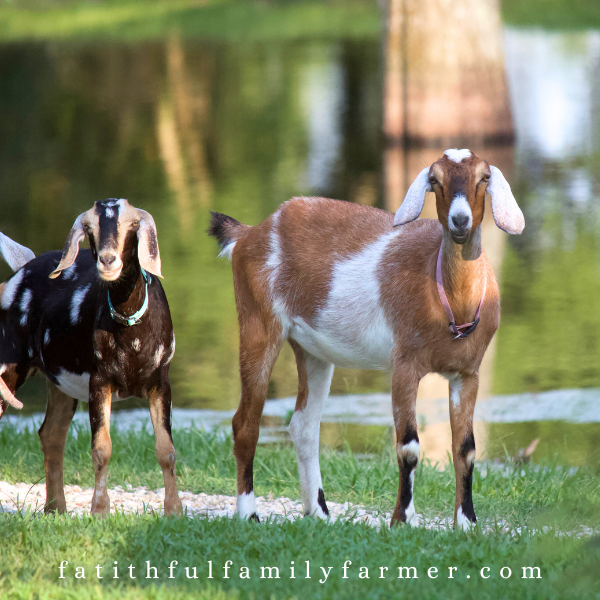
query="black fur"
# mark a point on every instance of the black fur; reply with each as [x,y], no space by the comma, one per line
[220,227]
[55,336]
[322,502]
[468,444]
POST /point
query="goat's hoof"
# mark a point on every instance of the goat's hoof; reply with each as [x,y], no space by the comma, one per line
[101,508]
[174,508]
[55,506]
[409,520]
[463,523]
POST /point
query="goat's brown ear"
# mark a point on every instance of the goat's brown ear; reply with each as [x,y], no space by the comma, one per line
[507,214]
[411,207]
[71,248]
[148,253]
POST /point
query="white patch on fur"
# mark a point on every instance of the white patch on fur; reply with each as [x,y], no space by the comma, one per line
[76,301]
[160,352]
[455,383]
[109,212]
[470,460]
[136,344]
[352,329]
[227,251]
[47,337]
[245,505]
[413,447]
[98,354]
[458,155]
[111,343]
[30,352]
[14,254]
[462,522]
[24,306]
[272,266]
[172,349]
[73,385]
[304,430]
[70,272]
[10,289]
[460,208]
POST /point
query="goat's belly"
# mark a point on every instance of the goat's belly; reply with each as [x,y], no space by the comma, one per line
[346,344]
[74,385]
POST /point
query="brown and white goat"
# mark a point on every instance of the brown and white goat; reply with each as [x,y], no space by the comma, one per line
[96,323]
[353,286]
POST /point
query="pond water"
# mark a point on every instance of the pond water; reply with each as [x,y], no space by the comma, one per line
[183,126]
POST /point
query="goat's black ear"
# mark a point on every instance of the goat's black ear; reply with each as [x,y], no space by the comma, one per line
[71,248]
[148,252]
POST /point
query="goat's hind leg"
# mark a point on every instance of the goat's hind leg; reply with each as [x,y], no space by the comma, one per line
[314,380]
[260,343]
[160,412]
[53,433]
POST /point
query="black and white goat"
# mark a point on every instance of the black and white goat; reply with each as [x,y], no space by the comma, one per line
[96,323]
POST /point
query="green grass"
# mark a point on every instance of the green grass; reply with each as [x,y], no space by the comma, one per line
[205,463]
[33,545]
[229,20]
[552,14]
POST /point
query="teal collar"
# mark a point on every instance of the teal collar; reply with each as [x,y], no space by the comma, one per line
[136,317]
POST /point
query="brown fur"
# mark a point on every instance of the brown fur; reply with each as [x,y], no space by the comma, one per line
[312,235]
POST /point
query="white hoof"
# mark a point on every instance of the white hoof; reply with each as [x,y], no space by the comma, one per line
[462,522]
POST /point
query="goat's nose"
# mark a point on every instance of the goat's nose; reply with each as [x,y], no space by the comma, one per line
[107,259]
[460,221]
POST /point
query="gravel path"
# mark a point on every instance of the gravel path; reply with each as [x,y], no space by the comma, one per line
[19,497]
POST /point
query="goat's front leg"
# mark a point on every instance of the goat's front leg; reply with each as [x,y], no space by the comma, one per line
[463,393]
[160,412]
[405,383]
[53,433]
[100,404]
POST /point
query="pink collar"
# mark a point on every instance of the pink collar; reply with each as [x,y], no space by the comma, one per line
[459,331]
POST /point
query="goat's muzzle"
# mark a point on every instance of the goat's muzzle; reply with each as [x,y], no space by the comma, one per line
[109,266]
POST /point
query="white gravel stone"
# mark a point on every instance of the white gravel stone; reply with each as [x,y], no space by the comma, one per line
[23,497]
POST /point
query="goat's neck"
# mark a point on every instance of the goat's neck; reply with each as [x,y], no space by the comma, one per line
[462,270]
[127,293]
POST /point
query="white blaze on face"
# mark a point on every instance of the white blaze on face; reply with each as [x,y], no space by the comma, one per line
[459,210]
[457,155]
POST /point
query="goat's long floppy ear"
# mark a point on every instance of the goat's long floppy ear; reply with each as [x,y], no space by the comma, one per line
[413,202]
[71,248]
[148,253]
[507,214]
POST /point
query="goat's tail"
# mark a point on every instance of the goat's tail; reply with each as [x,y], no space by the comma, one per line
[14,254]
[226,230]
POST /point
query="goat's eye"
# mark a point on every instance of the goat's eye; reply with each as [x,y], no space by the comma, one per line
[485,178]
[135,224]
[433,181]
